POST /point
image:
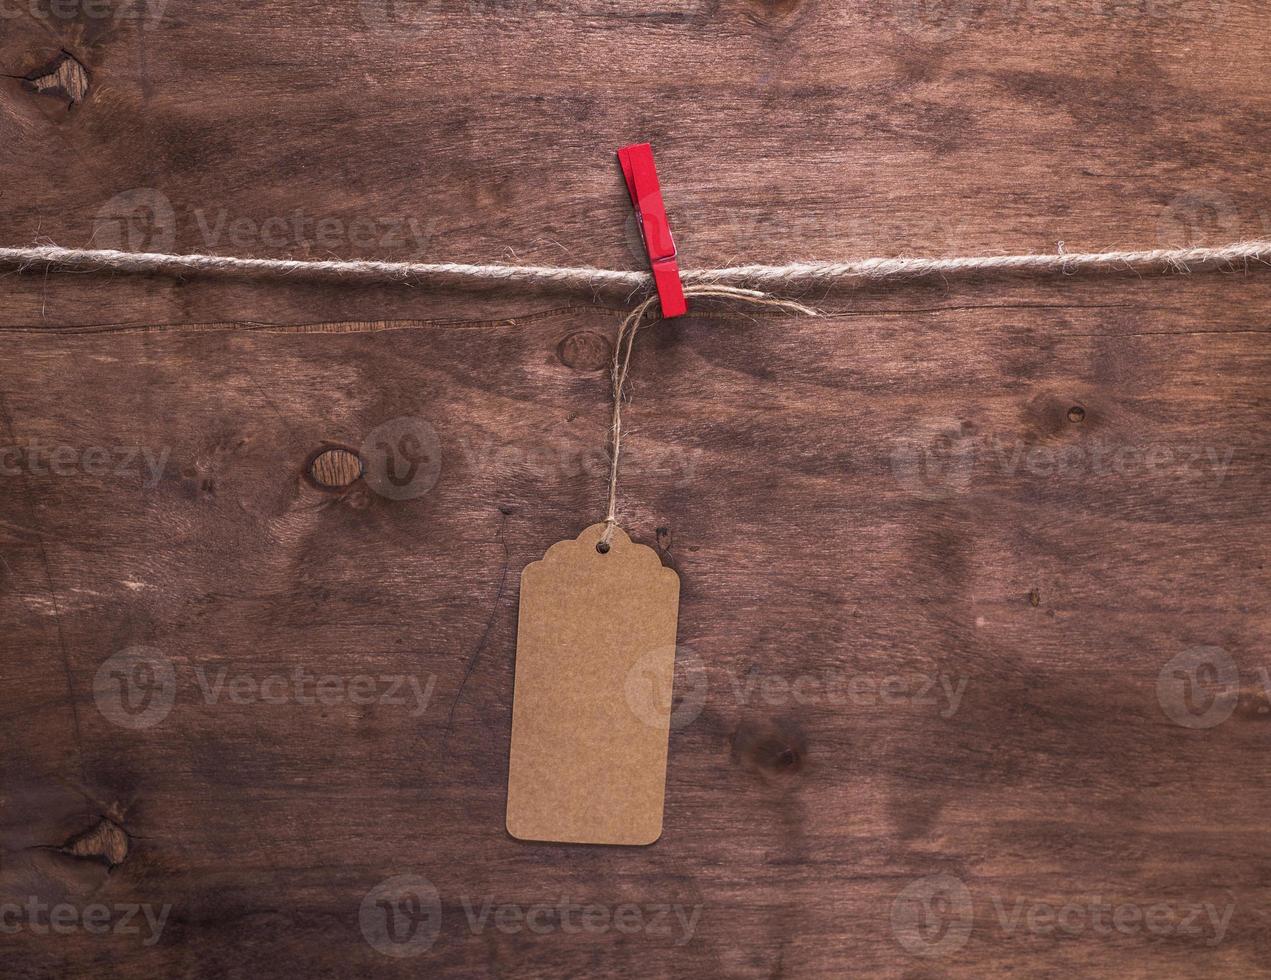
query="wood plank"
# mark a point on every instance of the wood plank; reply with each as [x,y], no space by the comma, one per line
[943,553]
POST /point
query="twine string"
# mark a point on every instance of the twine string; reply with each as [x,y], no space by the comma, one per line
[768,277]
[624,343]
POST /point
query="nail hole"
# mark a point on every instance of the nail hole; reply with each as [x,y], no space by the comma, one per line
[602,547]
[1076,413]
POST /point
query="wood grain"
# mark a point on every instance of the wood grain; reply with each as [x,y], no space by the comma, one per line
[965,567]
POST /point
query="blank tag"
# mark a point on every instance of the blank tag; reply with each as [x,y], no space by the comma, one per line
[591,712]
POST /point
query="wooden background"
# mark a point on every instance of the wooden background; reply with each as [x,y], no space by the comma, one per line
[1046,495]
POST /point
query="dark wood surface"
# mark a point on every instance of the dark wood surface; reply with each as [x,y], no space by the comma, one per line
[965,567]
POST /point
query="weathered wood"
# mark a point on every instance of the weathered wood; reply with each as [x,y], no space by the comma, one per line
[940,553]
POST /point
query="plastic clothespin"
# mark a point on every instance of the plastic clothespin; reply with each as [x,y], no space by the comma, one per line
[646,198]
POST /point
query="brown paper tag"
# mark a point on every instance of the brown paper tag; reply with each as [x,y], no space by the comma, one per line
[591,712]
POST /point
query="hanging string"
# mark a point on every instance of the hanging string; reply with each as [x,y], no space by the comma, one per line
[624,343]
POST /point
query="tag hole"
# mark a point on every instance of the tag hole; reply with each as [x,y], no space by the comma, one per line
[602,547]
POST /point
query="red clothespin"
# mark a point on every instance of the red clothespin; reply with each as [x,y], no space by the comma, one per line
[646,198]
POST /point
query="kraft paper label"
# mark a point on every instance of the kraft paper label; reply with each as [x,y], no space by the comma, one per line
[591,711]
